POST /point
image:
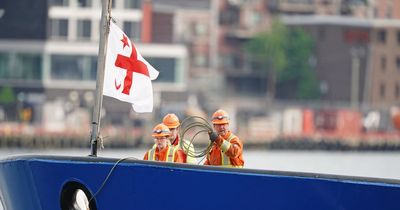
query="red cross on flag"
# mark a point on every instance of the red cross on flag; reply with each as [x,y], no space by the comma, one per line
[127,75]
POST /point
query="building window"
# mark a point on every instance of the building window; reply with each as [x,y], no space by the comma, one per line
[132,29]
[382,36]
[228,61]
[398,63]
[92,73]
[84,29]
[383,63]
[58,28]
[166,66]
[247,85]
[133,4]
[389,12]
[30,65]
[230,15]
[85,3]
[64,3]
[20,66]
[382,89]
[398,37]
[3,65]
[73,67]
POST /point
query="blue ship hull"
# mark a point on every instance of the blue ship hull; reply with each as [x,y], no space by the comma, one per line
[44,183]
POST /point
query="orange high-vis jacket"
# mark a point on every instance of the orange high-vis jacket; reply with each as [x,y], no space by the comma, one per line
[174,153]
[226,151]
[186,158]
[176,144]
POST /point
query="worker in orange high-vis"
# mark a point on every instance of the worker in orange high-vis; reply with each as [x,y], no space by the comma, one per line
[164,151]
[227,149]
[172,122]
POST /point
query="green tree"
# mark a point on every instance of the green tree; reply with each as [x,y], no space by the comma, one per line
[297,80]
[7,96]
[284,54]
[267,51]
[7,102]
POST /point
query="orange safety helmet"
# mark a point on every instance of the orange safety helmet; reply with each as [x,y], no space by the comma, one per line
[160,130]
[220,117]
[171,121]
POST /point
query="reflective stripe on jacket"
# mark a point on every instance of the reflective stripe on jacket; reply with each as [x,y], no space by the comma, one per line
[186,144]
[226,161]
[170,156]
[177,144]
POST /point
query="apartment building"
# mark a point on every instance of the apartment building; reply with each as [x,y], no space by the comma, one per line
[190,23]
[50,52]
[357,61]
[384,82]
[238,22]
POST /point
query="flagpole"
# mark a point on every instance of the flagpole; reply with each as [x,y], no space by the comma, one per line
[104,30]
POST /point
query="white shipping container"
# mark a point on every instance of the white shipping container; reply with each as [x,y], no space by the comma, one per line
[54,117]
[264,128]
[292,122]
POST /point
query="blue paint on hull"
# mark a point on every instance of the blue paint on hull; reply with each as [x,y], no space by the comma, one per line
[36,182]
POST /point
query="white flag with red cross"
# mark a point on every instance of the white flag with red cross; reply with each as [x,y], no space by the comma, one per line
[127,75]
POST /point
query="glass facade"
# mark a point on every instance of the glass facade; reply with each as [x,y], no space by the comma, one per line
[84,29]
[73,67]
[85,3]
[3,65]
[132,29]
[133,4]
[58,2]
[166,67]
[20,66]
[58,28]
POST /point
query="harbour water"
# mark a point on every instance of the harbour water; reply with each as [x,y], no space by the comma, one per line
[362,164]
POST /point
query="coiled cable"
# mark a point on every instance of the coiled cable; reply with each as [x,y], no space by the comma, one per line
[191,127]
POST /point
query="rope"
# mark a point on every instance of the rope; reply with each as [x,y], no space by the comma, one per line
[198,125]
[108,176]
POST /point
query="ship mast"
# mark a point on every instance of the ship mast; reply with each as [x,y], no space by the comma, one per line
[104,30]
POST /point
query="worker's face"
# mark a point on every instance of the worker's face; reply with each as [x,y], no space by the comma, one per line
[174,133]
[161,142]
[221,129]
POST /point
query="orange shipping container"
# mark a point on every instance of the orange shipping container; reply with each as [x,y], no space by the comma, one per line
[308,122]
[348,123]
